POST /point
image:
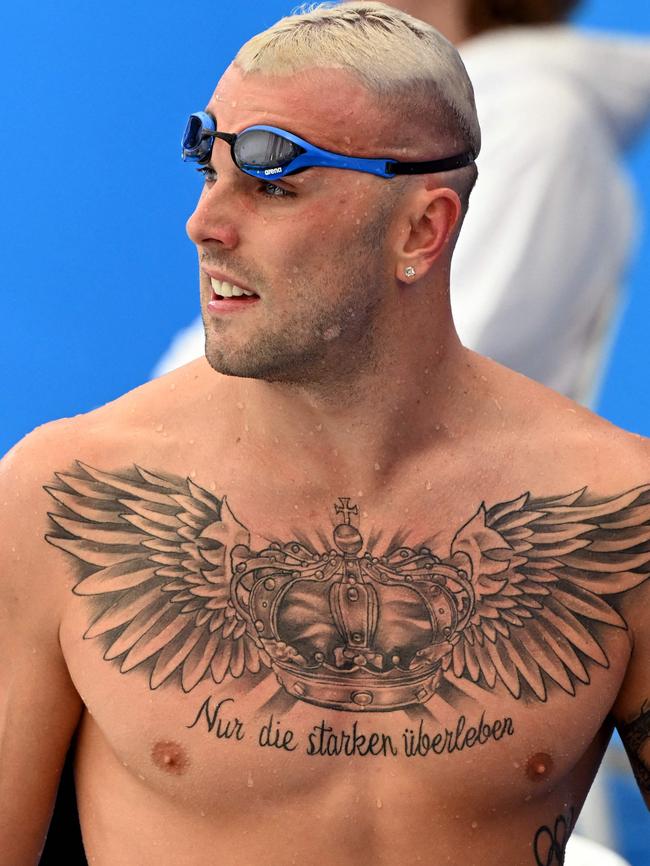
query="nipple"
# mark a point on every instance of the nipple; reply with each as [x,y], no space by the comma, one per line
[539,767]
[170,757]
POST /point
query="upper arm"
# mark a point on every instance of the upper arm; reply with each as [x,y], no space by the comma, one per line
[39,707]
[632,708]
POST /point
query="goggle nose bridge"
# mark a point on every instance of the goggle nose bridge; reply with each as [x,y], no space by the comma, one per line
[228,137]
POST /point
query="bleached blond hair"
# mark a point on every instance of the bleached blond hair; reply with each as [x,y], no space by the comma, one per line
[404,62]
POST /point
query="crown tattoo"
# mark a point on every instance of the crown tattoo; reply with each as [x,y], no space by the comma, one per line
[349,630]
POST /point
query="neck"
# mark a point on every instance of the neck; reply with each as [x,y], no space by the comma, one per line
[447,16]
[378,414]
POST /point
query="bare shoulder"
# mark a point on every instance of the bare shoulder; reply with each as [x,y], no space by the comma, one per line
[30,581]
[108,436]
[587,446]
[563,444]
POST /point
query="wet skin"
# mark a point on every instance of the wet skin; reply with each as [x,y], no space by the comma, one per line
[399,434]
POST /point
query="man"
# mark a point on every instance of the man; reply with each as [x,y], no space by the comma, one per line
[344,592]
[558,109]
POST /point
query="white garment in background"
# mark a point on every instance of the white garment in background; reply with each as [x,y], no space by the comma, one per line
[584,852]
[537,275]
[541,258]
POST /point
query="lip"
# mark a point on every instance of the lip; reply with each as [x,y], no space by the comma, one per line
[218,307]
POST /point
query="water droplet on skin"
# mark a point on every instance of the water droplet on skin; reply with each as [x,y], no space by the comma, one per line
[160,428]
[246,428]
[474,825]
[172,387]
[379,803]
[191,442]
[193,473]
[240,405]
[213,486]
[359,493]
[319,427]
[141,777]
[276,440]
[347,139]
[202,813]
[377,467]
[335,452]
[332,333]
[296,269]
[428,485]
[249,781]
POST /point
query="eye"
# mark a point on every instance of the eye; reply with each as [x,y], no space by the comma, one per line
[209,174]
[272,190]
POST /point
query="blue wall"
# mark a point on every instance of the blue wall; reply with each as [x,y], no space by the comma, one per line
[95,269]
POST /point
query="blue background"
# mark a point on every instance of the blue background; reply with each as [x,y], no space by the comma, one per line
[95,268]
[96,273]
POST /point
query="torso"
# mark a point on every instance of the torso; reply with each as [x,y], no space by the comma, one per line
[266,767]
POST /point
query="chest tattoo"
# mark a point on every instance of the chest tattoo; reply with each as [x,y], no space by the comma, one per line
[344,620]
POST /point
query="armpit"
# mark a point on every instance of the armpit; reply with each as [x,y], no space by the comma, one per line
[636,739]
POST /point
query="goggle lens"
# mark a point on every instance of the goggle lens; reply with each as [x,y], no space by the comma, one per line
[260,149]
[197,141]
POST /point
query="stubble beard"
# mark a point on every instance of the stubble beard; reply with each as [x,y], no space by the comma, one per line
[324,342]
[320,342]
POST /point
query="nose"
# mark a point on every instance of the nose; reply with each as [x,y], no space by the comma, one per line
[211,221]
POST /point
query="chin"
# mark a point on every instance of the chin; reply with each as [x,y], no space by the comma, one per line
[251,364]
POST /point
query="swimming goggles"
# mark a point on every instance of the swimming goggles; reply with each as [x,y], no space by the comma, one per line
[270,153]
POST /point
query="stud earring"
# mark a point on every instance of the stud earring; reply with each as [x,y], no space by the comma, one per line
[409,272]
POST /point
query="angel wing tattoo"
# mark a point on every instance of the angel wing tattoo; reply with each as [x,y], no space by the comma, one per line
[515,600]
[157,554]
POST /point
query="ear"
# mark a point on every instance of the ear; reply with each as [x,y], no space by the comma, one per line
[430,223]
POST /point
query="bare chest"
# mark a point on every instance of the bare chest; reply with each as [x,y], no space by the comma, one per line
[213,664]
[249,738]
